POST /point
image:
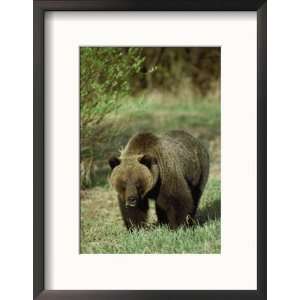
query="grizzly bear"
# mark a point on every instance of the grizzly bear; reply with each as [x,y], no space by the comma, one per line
[171,169]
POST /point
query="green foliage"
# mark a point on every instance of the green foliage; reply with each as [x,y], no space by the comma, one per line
[105,76]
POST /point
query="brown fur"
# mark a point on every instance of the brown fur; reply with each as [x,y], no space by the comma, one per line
[171,169]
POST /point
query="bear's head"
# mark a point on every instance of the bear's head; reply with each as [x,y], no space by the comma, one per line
[133,177]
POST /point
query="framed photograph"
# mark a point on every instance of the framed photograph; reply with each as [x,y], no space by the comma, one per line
[150,149]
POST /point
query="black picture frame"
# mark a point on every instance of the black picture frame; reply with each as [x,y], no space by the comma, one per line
[42,6]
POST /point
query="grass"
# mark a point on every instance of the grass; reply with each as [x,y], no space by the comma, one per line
[102,229]
[160,240]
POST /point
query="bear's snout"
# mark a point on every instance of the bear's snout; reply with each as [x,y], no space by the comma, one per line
[131,201]
[131,197]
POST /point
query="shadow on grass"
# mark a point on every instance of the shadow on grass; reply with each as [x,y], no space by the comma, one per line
[210,204]
[211,211]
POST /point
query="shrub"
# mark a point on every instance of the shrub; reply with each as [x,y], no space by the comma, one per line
[105,77]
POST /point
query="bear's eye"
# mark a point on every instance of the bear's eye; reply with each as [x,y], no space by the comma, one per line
[122,186]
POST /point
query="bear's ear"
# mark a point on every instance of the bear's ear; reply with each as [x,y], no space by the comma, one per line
[147,160]
[114,161]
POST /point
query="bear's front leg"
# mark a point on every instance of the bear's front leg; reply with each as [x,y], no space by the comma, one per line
[177,216]
[134,217]
[162,217]
[177,202]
